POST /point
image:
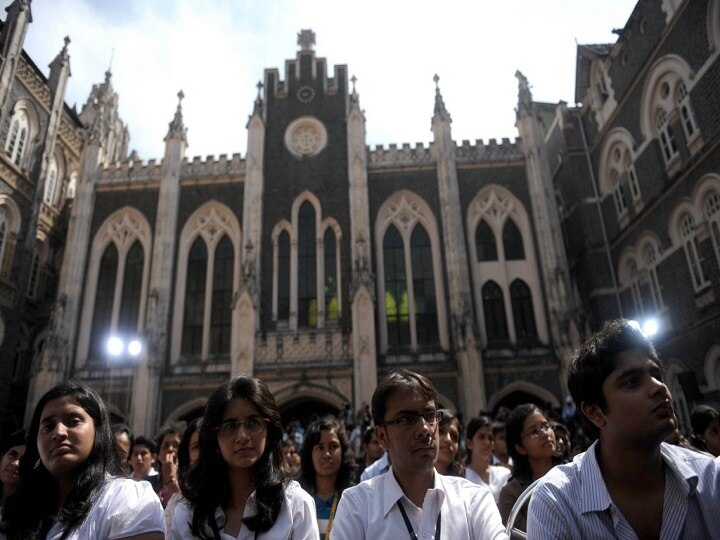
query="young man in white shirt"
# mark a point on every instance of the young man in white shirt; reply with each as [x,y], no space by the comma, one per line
[412,500]
[629,484]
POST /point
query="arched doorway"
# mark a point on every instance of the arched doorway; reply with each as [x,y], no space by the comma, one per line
[192,415]
[304,410]
[519,397]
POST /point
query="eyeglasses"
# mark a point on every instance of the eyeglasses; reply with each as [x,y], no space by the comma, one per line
[534,433]
[410,420]
[254,424]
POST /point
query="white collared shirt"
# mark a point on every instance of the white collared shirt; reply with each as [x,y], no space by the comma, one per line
[296,519]
[377,468]
[370,510]
[572,501]
[498,478]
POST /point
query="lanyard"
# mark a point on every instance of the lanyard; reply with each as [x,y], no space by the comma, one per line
[413,536]
[332,516]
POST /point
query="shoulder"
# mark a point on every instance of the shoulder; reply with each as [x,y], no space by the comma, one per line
[456,487]
[501,473]
[127,507]
[296,495]
[126,491]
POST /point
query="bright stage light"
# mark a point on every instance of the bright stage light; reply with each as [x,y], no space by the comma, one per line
[115,346]
[135,347]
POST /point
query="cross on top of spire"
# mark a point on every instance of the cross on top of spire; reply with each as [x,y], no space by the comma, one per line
[306,40]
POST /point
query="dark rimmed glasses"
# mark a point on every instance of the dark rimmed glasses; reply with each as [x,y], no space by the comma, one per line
[410,420]
[254,425]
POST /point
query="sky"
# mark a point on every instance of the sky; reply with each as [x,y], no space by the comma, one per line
[216,51]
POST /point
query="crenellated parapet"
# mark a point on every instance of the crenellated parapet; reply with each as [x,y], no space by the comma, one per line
[400,157]
[329,347]
[221,167]
[465,152]
[506,150]
[210,167]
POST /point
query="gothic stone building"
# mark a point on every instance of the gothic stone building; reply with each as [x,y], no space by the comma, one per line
[319,264]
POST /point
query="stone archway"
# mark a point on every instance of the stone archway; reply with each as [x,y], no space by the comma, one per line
[304,409]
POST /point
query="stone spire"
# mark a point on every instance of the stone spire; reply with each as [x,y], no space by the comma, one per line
[58,66]
[439,103]
[306,40]
[354,98]
[177,128]
[524,94]
[258,106]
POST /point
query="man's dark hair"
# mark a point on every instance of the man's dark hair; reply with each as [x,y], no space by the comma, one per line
[368,434]
[597,358]
[401,380]
[497,427]
[145,441]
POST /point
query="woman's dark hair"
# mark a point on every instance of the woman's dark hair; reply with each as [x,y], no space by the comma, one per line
[346,475]
[700,419]
[207,484]
[184,448]
[513,435]
[15,439]
[472,428]
[29,512]
[456,468]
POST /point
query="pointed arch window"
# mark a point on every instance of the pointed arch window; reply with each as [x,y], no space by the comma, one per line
[193,320]
[494,310]
[687,231]
[104,299]
[632,178]
[17,136]
[222,293]
[307,267]
[132,285]
[50,182]
[426,321]
[712,214]
[512,241]
[485,243]
[618,194]
[397,300]
[332,312]
[523,314]
[283,272]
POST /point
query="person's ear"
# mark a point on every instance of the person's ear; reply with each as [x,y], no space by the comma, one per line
[520,449]
[381,436]
[594,413]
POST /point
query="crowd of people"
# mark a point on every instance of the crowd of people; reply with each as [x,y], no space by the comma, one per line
[615,463]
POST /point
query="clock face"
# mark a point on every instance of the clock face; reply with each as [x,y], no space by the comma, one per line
[305,94]
[305,137]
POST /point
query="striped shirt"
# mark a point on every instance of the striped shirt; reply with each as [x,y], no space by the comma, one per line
[572,500]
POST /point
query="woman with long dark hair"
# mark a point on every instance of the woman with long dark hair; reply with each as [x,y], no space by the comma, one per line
[480,444]
[237,489]
[450,430]
[11,451]
[328,467]
[188,453]
[72,478]
[532,446]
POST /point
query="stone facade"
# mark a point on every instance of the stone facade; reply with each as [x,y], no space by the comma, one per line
[319,264]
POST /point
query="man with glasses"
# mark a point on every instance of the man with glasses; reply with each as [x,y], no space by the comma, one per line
[412,500]
[629,484]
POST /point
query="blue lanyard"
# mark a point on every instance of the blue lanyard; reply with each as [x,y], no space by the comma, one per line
[413,536]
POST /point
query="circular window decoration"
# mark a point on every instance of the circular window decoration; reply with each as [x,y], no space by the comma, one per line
[305,137]
[305,94]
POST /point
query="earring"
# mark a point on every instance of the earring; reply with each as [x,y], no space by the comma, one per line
[37,464]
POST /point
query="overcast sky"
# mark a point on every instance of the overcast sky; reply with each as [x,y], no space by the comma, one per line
[216,51]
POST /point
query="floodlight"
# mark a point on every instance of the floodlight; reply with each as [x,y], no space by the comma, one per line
[115,346]
[135,347]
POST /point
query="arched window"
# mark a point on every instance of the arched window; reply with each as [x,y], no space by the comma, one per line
[485,243]
[50,182]
[712,214]
[426,321]
[331,283]
[650,258]
[512,241]
[17,136]
[686,113]
[618,194]
[632,178]
[667,139]
[494,310]
[129,316]
[222,293]
[193,320]
[307,267]
[687,231]
[283,307]
[104,298]
[397,302]
[523,314]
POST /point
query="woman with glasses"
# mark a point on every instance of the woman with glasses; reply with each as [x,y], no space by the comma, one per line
[532,446]
[236,488]
[480,444]
[449,460]
[328,467]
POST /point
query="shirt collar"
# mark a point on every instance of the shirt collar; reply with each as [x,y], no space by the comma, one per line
[250,510]
[595,496]
[392,492]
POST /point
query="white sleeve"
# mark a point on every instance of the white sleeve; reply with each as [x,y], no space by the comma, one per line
[304,515]
[179,528]
[348,523]
[132,508]
[485,517]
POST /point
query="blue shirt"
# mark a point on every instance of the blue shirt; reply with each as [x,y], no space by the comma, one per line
[572,501]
